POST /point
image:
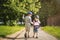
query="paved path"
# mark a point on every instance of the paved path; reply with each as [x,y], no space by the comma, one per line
[20,36]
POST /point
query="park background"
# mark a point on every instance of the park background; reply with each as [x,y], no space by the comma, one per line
[12,13]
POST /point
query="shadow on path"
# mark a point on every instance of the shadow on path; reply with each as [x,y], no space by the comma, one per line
[18,38]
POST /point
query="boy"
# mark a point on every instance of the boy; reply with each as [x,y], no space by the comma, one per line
[28,22]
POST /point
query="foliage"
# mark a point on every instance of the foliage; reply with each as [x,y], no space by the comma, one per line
[10,10]
[52,30]
[48,9]
[6,30]
[23,5]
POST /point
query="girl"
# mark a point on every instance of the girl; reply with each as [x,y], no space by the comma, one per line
[36,24]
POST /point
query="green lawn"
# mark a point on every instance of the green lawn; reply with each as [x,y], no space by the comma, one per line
[55,31]
[6,30]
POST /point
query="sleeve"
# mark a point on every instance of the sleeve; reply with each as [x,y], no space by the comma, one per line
[25,19]
[31,21]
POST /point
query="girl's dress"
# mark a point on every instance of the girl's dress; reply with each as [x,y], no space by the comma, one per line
[36,25]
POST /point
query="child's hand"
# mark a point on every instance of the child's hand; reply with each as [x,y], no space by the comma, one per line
[31,22]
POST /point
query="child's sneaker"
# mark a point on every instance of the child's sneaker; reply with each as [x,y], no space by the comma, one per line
[36,37]
[25,35]
[33,36]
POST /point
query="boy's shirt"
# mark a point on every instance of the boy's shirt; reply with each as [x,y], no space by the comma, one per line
[28,20]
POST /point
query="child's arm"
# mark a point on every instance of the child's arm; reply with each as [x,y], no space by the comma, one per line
[39,22]
[30,20]
[33,22]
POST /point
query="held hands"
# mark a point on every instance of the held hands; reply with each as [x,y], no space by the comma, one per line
[31,22]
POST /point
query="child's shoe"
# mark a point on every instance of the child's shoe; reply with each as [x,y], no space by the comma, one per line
[36,37]
[25,35]
[33,36]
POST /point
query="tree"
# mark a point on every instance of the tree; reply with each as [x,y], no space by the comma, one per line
[13,8]
[48,8]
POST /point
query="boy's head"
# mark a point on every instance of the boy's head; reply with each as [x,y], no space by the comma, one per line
[30,13]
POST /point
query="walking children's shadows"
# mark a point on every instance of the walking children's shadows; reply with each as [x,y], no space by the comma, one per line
[36,24]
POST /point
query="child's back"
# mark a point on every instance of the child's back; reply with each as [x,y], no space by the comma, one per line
[36,24]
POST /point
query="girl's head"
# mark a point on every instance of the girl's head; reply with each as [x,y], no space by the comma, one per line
[36,19]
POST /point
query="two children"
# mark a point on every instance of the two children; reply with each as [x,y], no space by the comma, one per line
[36,24]
[28,23]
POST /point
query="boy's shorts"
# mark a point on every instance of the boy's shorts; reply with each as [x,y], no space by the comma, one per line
[27,27]
[36,28]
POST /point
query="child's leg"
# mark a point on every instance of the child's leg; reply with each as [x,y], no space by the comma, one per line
[36,33]
[33,34]
[33,31]
[26,32]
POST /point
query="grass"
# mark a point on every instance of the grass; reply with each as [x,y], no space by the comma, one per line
[55,31]
[6,30]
